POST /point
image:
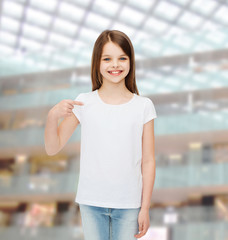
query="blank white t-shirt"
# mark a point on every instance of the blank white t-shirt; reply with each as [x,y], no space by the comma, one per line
[111,150]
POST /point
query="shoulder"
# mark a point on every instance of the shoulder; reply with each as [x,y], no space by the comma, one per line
[145,101]
[85,96]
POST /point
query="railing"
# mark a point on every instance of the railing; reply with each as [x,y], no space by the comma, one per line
[42,233]
[186,215]
[165,125]
[192,175]
[166,177]
[199,231]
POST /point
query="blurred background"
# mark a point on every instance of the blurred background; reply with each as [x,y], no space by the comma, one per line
[181,64]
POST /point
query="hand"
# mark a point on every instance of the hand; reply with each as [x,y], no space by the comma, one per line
[64,108]
[144,222]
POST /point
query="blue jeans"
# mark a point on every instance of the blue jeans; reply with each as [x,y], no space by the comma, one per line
[101,223]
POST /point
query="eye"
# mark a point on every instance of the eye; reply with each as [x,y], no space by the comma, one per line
[106,59]
[123,58]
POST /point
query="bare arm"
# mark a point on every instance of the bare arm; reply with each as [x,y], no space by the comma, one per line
[55,136]
[66,129]
[148,175]
[51,138]
[148,164]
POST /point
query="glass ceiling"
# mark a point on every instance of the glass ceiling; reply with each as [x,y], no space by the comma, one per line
[37,36]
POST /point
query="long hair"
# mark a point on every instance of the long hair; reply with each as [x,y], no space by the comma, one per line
[123,41]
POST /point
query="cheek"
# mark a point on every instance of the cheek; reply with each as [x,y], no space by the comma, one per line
[127,66]
[101,67]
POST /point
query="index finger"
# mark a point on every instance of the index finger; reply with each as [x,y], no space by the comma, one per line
[78,103]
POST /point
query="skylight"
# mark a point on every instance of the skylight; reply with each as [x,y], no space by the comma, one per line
[34,32]
[12,9]
[49,5]
[69,28]
[131,16]
[171,11]
[37,17]
[65,27]
[9,24]
[155,25]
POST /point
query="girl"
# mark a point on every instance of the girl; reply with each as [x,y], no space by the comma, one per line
[117,162]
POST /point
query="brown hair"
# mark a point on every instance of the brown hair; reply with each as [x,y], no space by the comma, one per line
[123,41]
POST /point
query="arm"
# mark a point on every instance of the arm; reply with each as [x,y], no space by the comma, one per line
[57,136]
[51,138]
[148,163]
[148,175]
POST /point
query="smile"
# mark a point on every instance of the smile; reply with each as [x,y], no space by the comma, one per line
[116,73]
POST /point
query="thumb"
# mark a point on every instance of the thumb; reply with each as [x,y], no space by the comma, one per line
[78,103]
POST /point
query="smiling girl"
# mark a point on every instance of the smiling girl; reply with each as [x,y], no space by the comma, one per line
[117,161]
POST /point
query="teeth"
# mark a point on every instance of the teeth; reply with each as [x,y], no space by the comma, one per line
[115,72]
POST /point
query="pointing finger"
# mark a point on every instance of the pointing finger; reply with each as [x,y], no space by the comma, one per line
[78,103]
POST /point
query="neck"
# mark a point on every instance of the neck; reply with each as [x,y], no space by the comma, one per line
[114,90]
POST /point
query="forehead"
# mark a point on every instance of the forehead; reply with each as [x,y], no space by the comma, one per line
[112,48]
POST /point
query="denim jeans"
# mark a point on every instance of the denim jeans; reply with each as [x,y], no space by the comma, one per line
[101,223]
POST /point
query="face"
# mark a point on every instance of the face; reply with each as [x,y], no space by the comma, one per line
[114,64]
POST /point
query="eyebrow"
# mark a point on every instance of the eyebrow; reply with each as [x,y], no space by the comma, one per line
[109,55]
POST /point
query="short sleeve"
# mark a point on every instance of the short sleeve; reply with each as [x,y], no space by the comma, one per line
[77,110]
[149,111]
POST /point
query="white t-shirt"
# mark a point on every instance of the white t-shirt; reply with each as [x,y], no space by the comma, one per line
[111,150]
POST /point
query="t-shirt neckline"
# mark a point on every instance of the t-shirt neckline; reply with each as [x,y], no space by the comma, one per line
[115,105]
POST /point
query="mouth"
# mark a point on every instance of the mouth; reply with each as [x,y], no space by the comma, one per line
[115,73]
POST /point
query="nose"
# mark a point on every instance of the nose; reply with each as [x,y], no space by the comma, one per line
[115,63]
